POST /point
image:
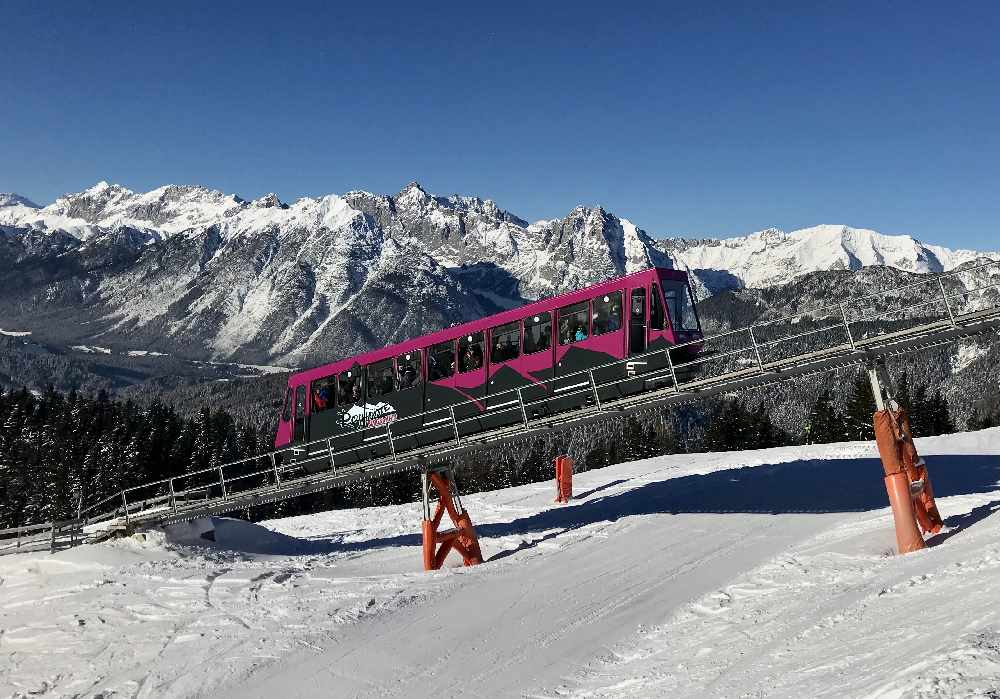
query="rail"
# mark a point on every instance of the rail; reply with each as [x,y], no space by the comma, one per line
[882,322]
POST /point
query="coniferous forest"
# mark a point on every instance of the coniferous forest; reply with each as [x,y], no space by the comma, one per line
[60,452]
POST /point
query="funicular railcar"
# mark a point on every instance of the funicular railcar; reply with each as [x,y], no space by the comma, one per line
[469,376]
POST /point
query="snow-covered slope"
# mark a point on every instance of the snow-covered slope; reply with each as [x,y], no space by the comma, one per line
[763,573]
[772,257]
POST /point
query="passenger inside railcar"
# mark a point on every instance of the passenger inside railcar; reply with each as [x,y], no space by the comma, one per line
[470,350]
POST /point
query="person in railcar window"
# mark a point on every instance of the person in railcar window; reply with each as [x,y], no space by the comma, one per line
[565,331]
[407,370]
[322,396]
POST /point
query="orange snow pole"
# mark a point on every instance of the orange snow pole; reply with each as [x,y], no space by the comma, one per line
[564,479]
[463,538]
[906,481]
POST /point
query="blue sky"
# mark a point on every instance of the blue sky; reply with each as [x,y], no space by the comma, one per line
[694,118]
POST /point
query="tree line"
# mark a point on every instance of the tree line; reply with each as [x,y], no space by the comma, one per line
[929,413]
[62,452]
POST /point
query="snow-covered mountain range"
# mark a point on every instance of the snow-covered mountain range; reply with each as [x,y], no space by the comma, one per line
[772,257]
[199,272]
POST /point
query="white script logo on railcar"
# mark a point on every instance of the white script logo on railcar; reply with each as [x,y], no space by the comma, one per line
[368,415]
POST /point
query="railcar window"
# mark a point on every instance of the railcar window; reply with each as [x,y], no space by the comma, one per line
[300,401]
[608,313]
[573,325]
[408,370]
[322,393]
[441,361]
[655,308]
[470,352]
[506,342]
[680,305]
[537,333]
[349,388]
[380,381]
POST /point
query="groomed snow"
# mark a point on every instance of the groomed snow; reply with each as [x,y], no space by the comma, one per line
[762,573]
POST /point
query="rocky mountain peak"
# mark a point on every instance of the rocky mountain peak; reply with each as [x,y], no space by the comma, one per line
[11,199]
[268,201]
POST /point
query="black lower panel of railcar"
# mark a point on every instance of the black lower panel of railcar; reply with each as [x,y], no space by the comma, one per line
[572,384]
[470,408]
[503,405]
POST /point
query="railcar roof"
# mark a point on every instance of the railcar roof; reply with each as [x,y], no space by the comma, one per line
[547,304]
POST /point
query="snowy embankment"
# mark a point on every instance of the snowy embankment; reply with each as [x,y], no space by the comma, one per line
[762,573]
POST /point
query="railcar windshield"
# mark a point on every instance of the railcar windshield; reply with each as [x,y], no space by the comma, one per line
[680,305]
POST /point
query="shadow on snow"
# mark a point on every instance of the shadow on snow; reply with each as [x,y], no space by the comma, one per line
[810,486]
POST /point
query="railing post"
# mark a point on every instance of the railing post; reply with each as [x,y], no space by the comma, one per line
[454,424]
[524,413]
[756,350]
[52,537]
[847,326]
[329,451]
[670,363]
[125,505]
[173,495]
[593,387]
[944,295]
[392,446]
[274,468]
[222,482]
[19,537]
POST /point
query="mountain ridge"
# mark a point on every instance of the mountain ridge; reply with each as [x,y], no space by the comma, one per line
[212,275]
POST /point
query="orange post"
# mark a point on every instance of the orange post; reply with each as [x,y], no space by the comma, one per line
[906,481]
[463,538]
[564,478]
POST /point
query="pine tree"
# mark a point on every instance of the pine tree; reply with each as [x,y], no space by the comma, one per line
[825,424]
[859,410]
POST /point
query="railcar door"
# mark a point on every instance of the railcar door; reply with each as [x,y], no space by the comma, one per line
[408,399]
[380,408]
[637,341]
[609,337]
[301,427]
[350,414]
[578,351]
[637,322]
[536,365]
[323,420]
[439,393]
[659,337]
[470,382]
[502,404]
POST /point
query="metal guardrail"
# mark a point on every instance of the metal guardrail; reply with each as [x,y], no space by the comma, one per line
[738,358]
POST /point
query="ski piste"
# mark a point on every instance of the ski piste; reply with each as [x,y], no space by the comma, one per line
[859,330]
